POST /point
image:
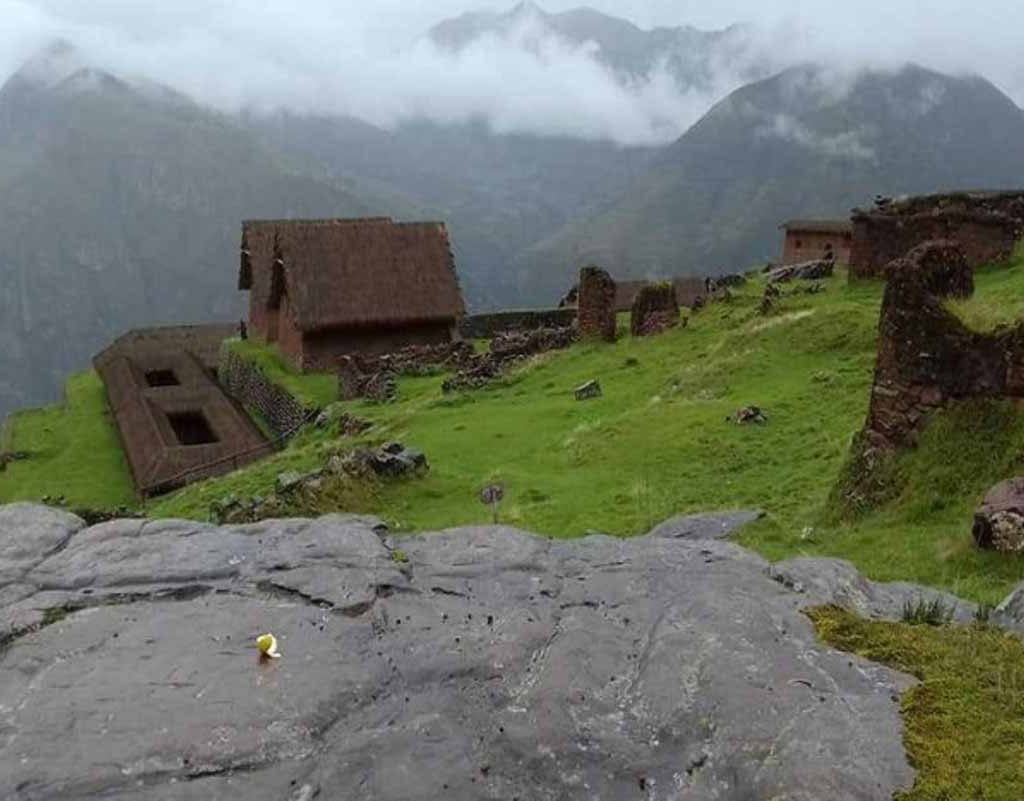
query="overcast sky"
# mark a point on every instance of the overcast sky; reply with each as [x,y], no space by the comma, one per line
[354,56]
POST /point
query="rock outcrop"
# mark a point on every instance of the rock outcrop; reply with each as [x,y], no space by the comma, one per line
[476,663]
[999,521]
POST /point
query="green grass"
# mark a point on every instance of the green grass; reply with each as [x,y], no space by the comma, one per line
[965,721]
[658,444]
[314,390]
[73,451]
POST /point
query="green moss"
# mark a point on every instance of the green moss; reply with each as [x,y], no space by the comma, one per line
[965,721]
[73,452]
[314,390]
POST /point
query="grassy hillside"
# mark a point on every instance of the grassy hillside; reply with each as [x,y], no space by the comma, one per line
[658,443]
[73,451]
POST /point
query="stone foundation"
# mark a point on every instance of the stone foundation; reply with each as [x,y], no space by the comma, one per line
[596,311]
[248,385]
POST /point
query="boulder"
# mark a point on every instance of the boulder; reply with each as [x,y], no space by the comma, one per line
[480,662]
[814,270]
[749,415]
[999,521]
[588,391]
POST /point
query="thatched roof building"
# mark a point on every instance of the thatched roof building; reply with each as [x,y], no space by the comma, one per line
[324,288]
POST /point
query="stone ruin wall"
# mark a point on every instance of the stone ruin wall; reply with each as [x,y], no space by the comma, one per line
[248,385]
[488,326]
[985,225]
[926,356]
[596,310]
[655,309]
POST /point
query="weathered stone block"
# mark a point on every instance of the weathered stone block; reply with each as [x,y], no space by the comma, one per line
[655,309]
[596,311]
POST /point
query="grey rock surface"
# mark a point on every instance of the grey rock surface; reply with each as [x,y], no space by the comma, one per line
[836,581]
[1010,613]
[491,664]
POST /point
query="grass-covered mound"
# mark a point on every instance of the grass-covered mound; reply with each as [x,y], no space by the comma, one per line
[965,721]
[73,451]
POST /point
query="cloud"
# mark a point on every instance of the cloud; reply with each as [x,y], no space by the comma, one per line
[349,57]
[847,144]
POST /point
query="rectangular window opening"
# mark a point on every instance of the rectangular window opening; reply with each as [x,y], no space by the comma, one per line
[162,378]
[192,428]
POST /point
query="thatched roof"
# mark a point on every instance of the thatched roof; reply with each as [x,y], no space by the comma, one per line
[340,273]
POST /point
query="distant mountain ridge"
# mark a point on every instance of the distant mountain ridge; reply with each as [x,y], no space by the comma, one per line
[690,55]
[120,206]
[807,142]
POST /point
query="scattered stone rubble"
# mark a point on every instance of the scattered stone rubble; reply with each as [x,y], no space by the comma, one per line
[391,461]
[507,349]
[375,377]
[348,425]
[816,270]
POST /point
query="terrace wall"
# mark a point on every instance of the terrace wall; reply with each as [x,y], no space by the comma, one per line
[249,385]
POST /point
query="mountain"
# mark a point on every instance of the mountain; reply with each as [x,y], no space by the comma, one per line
[807,142]
[692,56]
[120,206]
[499,193]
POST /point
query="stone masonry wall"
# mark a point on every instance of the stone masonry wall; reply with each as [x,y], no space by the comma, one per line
[596,311]
[247,384]
[488,326]
[986,231]
[926,356]
[655,309]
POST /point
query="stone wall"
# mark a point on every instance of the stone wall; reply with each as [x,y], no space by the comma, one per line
[926,356]
[655,309]
[985,225]
[488,326]
[248,385]
[596,312]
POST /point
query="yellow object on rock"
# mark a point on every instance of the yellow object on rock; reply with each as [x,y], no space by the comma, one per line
[267,643]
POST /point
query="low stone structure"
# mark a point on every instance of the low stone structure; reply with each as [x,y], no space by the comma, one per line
[986,226]
[177,425]
[357,379]
[596,310]
[816,270]
[505,350]
[690,293]
[488,326]
[374,377]
[249,385]
[655,310]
